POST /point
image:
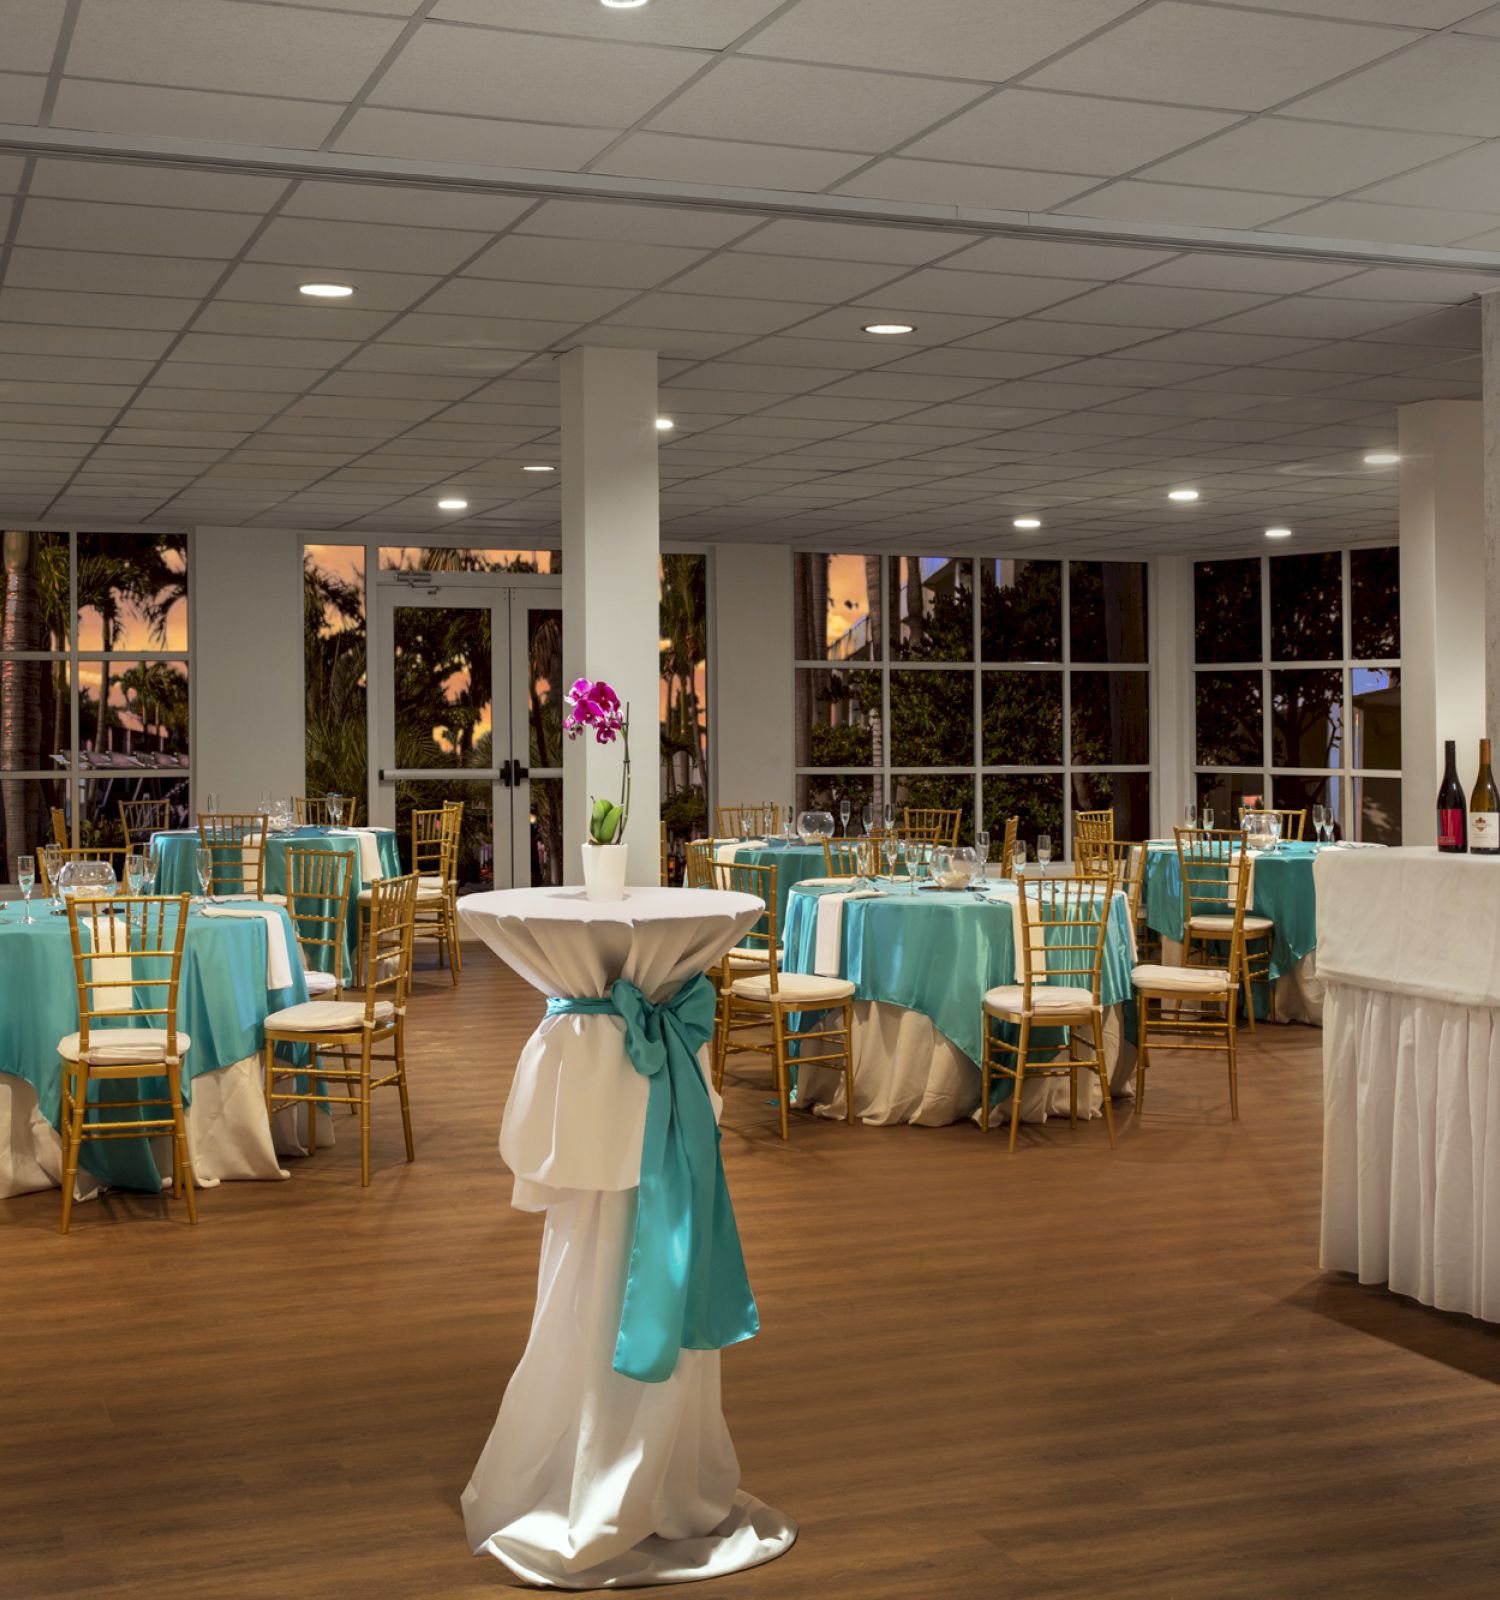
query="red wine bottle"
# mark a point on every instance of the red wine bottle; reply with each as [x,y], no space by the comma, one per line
[1484,808]
[1452,815]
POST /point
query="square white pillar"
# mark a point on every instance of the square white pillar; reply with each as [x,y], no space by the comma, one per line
[611,543]
[752,734]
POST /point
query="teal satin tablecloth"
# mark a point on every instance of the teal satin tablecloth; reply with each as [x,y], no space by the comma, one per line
[222,1006]
[939,953]
[793,863]
[173,855]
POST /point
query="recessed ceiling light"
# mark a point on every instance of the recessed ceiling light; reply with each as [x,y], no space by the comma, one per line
[664,424]
[539,468]
[1278,533]
[1027,522]
[453,505]
[326,291]
[622,5]
[887,328]
[1182,494]
[1382,458]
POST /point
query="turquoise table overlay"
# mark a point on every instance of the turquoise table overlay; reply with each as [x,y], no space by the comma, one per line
[793,863]
[686,1287]
[174,854]
[939,953]
[222,1005]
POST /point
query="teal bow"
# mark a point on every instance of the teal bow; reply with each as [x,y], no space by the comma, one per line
[686,1288]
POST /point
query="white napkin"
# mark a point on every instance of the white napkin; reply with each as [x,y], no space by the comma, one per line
[278,963]
[369,850]
[1232,887]
[829,949]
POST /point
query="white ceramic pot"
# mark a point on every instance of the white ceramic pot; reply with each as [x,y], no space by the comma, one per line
[604,871]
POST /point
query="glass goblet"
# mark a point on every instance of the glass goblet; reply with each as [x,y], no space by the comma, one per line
[1208,816]
[203,867]
[26,879]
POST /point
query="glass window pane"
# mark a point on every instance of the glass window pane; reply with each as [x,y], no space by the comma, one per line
[932,608]
[1036,803]
[1107,610]
[419,558]
[1307,718]
[26,818]
[544,743]
[102,823]
[1377,810]
[1307,607]
[1226,610]
[546,832]
[834,607]
[1111,719]
[476,849]
[822,792]
[333,667]
[36,727]
[684,697]
[932,719]
[1293,792]
[1375,707]
[1230,732]
[34,595]
[141,718]
[1375,603]
[132,591]
[838,717]
[1127,794]
[1228,793]
[443,698]
[1020,610]
[1022,719]
[937,791]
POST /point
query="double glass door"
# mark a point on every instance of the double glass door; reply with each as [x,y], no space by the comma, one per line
[468,696]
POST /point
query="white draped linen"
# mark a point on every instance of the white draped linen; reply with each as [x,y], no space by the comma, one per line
[1411,1073]
[591,1479]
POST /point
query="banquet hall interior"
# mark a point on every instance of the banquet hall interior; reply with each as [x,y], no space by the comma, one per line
[921,579]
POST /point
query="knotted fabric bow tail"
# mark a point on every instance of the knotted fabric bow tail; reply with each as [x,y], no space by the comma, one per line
[687,1288]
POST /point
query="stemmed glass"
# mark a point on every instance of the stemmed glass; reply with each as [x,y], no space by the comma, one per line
[1320,820]
[1190,815]
[744,825]
[1044,848]
[890,816]
[335,809]
[1018,860]
[211,803]
[867,816]
[26,878]
[888,848]
[982,846]
[52,859]
[1208,816]
[898,848]
[845,812]
[203,865]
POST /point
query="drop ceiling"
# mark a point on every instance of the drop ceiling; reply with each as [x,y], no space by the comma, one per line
[157,365]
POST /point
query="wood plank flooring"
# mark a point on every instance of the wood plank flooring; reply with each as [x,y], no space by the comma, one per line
[1064,1374]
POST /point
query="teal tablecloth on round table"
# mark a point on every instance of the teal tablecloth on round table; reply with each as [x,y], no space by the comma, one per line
[793,863]
[222,1006]
[173,854]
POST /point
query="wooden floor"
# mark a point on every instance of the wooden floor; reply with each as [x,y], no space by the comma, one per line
[1067,1373]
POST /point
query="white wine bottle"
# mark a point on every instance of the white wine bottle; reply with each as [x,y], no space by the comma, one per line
[1484,808]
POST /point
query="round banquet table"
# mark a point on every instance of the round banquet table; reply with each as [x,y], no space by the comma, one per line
[793,862]
[592,1478]
[224,997]
[921,961]
[375,851]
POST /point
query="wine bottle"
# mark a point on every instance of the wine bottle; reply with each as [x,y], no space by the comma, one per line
[1452,817]
[1484,808]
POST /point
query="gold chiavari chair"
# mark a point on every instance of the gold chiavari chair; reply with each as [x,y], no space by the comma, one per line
[113,853]
[435,837]
[1293,823]
[851,858]
[1217,886]
[317,901]
[141,819]
[353,1028]
[1008,848]
[1193,1007]
[127,959]
[1092,827]
[932,827]
[311,811]
[1124,860]
[764,821]
[769,996]
[59,827]
[700,864]
[1064,925]
[236,844]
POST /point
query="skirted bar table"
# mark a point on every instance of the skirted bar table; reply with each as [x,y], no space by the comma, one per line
[610,1464]
[1409,948]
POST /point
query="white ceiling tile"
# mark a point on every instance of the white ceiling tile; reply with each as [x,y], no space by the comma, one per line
[1405,283]
[493,297]
[602,219]
[39,339]
[1311,158]
[211,44]
[1066,133]
[849,241]
[192,114]
[947,183]
[1413,13]
[852,355]
[713,314]
[947,360]
[317,353]
[31,29]
[300,319]
[1055,258]
[110,274]
[132,230]
[1181,204]
[1470,180]
[984,294]
[392,204]
[724,162]
[903,386]
[1256,274]
[1218,349]
[1453,325]
[1444,85]
[272,284]
[535,78]
[1151,306]
[432,359]
[1320,318]
[784,277]
[500,333]
[386,8]
[93,310]
[1058,338]
[703,24]
[985,39]
[66,369]
[521,257]
[1356,219]
[302,241]
[11,170]
[120,184]
[1488,24]
[428,136]
[21,97]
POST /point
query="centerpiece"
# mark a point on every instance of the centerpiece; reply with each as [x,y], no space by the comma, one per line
[596,707]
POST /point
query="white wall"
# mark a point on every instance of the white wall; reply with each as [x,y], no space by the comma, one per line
[246,613]
[750,637]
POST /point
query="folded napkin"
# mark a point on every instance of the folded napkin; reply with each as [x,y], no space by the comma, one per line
[278,963]
[829,951]
[820,883]
[369,850]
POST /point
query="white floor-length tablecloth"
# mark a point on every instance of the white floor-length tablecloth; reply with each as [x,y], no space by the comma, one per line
[1409,951]
[591,1479]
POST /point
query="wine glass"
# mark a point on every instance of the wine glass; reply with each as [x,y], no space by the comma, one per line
[135,872]
[899,850]
[335,809]
[1044,848]
[52,859]
[26,878]
[890,816]
[1207,814]
[211,803]
[888,848]
[867,816]
[1018,860]
[1190,815]
[203,866]
[845,812]
[744,827]
[982,846]
[1320,818]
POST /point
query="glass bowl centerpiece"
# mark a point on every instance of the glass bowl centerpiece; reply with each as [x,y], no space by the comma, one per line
[814,826]
[954,868]
[1260,831]
[88,879]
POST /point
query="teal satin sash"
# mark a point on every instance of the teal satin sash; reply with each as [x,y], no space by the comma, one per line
[686,1288]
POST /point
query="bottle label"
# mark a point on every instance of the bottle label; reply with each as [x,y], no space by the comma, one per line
[1484,832]
[1450,829]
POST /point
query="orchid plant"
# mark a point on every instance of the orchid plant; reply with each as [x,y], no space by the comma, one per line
[596,706]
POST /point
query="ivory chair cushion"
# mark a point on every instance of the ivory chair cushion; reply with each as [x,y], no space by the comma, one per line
[802,988]
[1048,997]
[1181,980]
[324,1016]
[126,1046]
[1225,925]
[430,892]
[322,982]
[434,882]
[752,960]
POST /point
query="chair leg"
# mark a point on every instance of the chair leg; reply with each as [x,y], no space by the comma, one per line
[411,1152]
[455,955]
[1142,1052]
[849,1061]
[984,1081]
[1244,966]
[721,1039]
[782,1076]
[1109,1110]
[1015,1105]
[312,1109]
[181,1165]
[1234,1079]
[364,1113]
[1072,1078]
[73,1137]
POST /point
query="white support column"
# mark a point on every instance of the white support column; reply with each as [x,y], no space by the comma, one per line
[611,542]
[1443,610]
[1173,720]
[1490,451]
[751,735]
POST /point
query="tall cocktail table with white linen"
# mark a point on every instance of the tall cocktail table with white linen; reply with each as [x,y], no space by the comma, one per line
[610,1463]
[1409,949]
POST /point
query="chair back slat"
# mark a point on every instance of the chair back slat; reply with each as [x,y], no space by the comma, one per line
[1064,926]
[317,901]
[141,819]
[311,811]
[120,944]
[236,844]
[434,843]
[761,883]
[932,826]
[1008,847]
[851,858]
[393,906]
[1215,873]
[1093,827]
[764,821]
[700,864]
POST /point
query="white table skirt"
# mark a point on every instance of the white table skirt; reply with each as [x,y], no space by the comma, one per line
[906,1071]
[1299,993]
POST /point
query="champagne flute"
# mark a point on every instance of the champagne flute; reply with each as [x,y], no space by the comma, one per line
[1190,814]
[26,878]
[982,846]
[335,809]
[1018,860]
[890,816]
[867,816]
[1208,816]
[1044,848]
[203,866]
[899,848]
[845,812]
[211,803]
[135,873]
[744,827]
[889,849]
[52,859]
